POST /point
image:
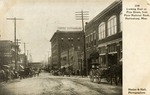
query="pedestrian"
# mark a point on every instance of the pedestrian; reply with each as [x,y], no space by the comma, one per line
[12,75]
[2,75]
[7,75]
[77,72]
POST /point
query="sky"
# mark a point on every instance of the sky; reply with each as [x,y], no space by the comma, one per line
[41,19]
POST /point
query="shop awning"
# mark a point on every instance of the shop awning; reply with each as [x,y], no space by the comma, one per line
[112,52]
[22,67]
[120,60]
[94,55]
[6,66]
[67,65]
[102,54]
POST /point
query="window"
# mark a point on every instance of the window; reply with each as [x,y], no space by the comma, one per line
[120,21]
[91,37]
[94,37]
[88,41]
[102,30]
[112,48]
[102,50]
[112,26]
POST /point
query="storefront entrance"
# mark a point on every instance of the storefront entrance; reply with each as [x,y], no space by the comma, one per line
[112,59]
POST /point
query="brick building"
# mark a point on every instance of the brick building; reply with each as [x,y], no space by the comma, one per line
[73,59]
[104,36]
[23,60]
[61,43]
[6,53]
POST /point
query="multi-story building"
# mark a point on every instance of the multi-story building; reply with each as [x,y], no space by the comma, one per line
[6,52]
[23,60]
[104,36]
[63,41]
[35,65]
[72,57]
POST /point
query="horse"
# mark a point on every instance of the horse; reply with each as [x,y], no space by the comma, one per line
[115,73]
[2,75]
[21,74]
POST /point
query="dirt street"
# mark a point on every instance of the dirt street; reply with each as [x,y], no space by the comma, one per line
[46,84]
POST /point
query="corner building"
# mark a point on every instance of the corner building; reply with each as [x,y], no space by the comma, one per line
[104,36]
[62,44]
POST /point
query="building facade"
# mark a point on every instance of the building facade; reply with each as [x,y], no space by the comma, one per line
[35,65]
[62,43]
[23,60]
[72,57]
[104,36]
[6,53]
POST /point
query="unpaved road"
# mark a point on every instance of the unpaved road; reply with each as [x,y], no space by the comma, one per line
[57,85]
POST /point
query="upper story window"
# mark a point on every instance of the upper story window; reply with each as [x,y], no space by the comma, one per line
[86,39]
[94,34]
[112,26]
[94,37]
[91,37]
[121,21]
[102,30]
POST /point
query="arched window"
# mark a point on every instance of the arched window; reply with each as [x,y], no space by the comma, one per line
[111,26]
[121,21]
[102,30]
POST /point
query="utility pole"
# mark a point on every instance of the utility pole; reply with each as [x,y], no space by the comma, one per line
[15,19]
[30,58]
[24,48]
[25,57]
[45,60]
[48,57]
[17,49]
[83,15]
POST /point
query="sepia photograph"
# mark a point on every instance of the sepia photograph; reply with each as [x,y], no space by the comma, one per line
[63,47]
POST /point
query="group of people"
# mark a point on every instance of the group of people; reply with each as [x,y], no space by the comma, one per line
[8,74]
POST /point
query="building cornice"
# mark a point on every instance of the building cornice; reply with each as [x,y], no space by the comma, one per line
[101,14]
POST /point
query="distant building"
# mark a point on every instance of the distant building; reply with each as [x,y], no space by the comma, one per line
[72,59]
[23,60]
[35,65]
[104,36]
[61,43]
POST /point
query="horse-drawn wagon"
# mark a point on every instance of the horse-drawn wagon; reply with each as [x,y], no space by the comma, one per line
[110,74]
[97,73]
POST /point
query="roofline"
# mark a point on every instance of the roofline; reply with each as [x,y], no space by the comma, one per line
[6,41]
[58,31]
[112,5]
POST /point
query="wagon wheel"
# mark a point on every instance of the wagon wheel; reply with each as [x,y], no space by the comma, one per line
[116,80]
[91,76]
[98,77]
[108,78]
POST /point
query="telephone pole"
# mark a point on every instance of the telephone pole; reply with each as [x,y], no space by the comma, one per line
[15,19]
[24,48]
[17,49]
[48,57]
[25,56]
[83,15]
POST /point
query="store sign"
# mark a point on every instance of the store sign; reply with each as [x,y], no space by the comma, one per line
[69,28]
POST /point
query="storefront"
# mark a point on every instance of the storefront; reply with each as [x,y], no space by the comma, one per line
[102,56]
[110,53]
